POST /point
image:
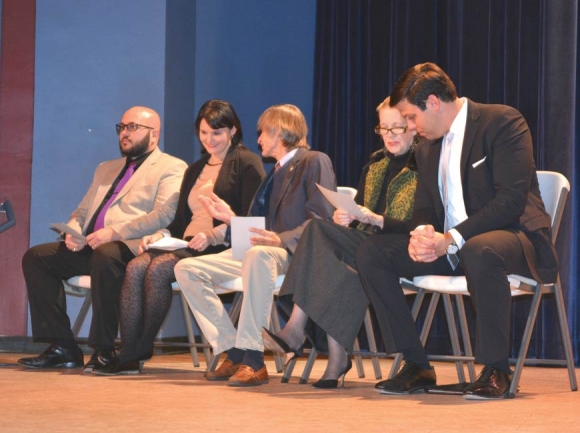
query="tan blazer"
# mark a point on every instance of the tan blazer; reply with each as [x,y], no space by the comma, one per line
[146,203]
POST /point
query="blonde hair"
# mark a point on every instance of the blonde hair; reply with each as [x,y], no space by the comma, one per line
[384,104]
[288,120]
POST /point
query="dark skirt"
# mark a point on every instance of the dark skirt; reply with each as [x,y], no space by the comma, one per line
[322,280]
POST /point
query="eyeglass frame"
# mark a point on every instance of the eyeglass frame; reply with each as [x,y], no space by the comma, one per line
[120,127]
[388,131]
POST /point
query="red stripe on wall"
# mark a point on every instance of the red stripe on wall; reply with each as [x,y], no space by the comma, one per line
[16,127]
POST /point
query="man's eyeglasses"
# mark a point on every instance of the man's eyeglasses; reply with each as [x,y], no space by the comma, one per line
[397,130]
[131,127]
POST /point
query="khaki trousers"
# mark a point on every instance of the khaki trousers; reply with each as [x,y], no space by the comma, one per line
[199,277]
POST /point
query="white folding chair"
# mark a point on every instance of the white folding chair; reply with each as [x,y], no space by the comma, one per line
[80,286]
[554,188]
[235,285]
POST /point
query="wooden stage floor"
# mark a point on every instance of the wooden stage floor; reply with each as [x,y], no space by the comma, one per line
[173,396]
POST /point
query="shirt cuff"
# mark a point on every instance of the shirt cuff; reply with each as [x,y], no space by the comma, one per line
[457,238]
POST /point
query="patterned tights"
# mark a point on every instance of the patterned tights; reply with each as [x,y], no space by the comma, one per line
[145,301]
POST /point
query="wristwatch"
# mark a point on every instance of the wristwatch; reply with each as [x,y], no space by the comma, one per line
[452,247]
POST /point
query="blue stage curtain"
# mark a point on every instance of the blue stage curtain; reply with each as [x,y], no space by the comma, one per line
[522,53]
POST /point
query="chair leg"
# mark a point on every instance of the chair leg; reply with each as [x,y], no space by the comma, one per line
[372,345]
[288,371]
[275,328]
[236,307]
[525,342]
[565,333]
[358,359]
[462,317]
[81,316]
[308,366]
[452,326]
[212,365]
[189,330]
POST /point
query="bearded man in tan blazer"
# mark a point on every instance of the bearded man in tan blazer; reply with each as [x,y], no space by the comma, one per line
[129,198]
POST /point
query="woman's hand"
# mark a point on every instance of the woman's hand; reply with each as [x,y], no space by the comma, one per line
[146,240]
[217,208]
[342,217]
[371,217]
[199,242]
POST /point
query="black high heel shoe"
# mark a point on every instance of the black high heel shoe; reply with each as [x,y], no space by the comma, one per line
[333,383]
[276,344]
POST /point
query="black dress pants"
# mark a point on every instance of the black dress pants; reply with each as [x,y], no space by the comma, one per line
[485,260]
[46,265]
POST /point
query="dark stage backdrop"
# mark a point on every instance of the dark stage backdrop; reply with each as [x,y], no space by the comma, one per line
[522,53]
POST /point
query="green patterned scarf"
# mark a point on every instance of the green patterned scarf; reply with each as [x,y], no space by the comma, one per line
[400,192]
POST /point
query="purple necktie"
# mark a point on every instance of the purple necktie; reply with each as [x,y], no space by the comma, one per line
[100,222]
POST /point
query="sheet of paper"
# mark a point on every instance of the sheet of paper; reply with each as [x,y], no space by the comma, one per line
[241,234]
[342,201]
[168,244]
[64,228]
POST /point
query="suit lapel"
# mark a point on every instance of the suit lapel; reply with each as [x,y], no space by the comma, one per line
[433,156]
[288,175]
[105,183]
[141,173]
[471,130]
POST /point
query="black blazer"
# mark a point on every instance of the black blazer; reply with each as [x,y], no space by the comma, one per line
[500,185]
[238,179]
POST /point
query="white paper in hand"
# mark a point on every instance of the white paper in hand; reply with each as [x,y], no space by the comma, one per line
[241,234]
[341,201]
[65,228]
[168,244]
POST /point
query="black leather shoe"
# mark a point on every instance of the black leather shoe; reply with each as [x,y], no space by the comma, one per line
[55,357]
[99,359]
[116,367]
[491,383]
[410,379]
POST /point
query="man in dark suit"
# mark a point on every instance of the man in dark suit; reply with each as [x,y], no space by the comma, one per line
[478,213]
[129,198]
[289,199]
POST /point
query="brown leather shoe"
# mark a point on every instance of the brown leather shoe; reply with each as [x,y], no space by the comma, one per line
[246,376]
[226,370]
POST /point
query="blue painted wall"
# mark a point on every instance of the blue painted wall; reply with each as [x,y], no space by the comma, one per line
[95,59]
[255,54]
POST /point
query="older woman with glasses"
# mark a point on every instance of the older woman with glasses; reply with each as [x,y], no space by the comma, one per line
[321,287]
[226,168]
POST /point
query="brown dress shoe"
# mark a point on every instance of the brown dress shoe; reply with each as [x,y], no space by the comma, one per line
[246,376]
[226,370]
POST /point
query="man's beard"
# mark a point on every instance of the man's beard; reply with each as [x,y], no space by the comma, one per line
[137,149]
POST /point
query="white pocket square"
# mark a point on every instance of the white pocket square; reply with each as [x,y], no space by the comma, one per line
[475,164]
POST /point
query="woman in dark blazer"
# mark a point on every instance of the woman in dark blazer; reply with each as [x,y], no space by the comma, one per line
[321,287]
[226,168]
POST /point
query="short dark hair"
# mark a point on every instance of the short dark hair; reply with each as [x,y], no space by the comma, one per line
[420,81]
[220,114]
